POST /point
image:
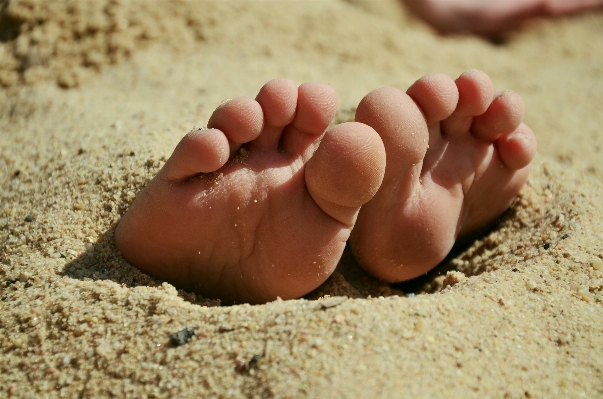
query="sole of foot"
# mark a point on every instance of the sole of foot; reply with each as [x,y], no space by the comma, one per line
[457,156]
[260,204]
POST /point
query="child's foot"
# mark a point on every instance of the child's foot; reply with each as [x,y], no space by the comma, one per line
[490,16]
[270,217]
[475,164]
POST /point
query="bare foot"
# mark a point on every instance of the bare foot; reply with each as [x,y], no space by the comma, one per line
[475,164]
[487,17]
[248,223]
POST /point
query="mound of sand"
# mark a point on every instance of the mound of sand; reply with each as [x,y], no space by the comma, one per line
[66,41]
[516,314]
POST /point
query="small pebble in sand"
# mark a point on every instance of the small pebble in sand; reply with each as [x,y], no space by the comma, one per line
[597,264]
[243,366]
[254,360]
[531,285]
[420,326]
[333,301]
[452,278]
[182,336]
[560,221]
[547,245]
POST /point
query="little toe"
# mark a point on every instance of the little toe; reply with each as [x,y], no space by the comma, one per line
[476,92]
[200,151]
[278,99]
[436,95]
[316,107]
[240,119]
[503,116]
[517,149]
[346,170]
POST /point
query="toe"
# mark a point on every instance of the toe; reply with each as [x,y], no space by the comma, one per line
[517,149]
[200,151]
[278,99]
[346,170]
[436,95]
[316,107]
[240,119]
[401,125]
[475,95]
[503,116]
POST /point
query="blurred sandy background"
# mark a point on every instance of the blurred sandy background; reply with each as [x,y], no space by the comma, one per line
[94,96]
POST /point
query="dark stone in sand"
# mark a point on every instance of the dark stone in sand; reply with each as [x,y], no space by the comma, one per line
[182,336]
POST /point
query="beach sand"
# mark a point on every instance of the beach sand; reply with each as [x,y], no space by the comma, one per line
[96,94]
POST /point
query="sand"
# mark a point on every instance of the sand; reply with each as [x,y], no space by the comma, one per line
[96,94]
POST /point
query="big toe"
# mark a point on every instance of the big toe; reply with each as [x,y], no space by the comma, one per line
[346,170]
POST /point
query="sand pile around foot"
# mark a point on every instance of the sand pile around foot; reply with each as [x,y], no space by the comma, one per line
[516,314]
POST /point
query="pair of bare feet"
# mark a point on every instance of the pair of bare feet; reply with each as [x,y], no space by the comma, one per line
[488,17]
[260,205]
